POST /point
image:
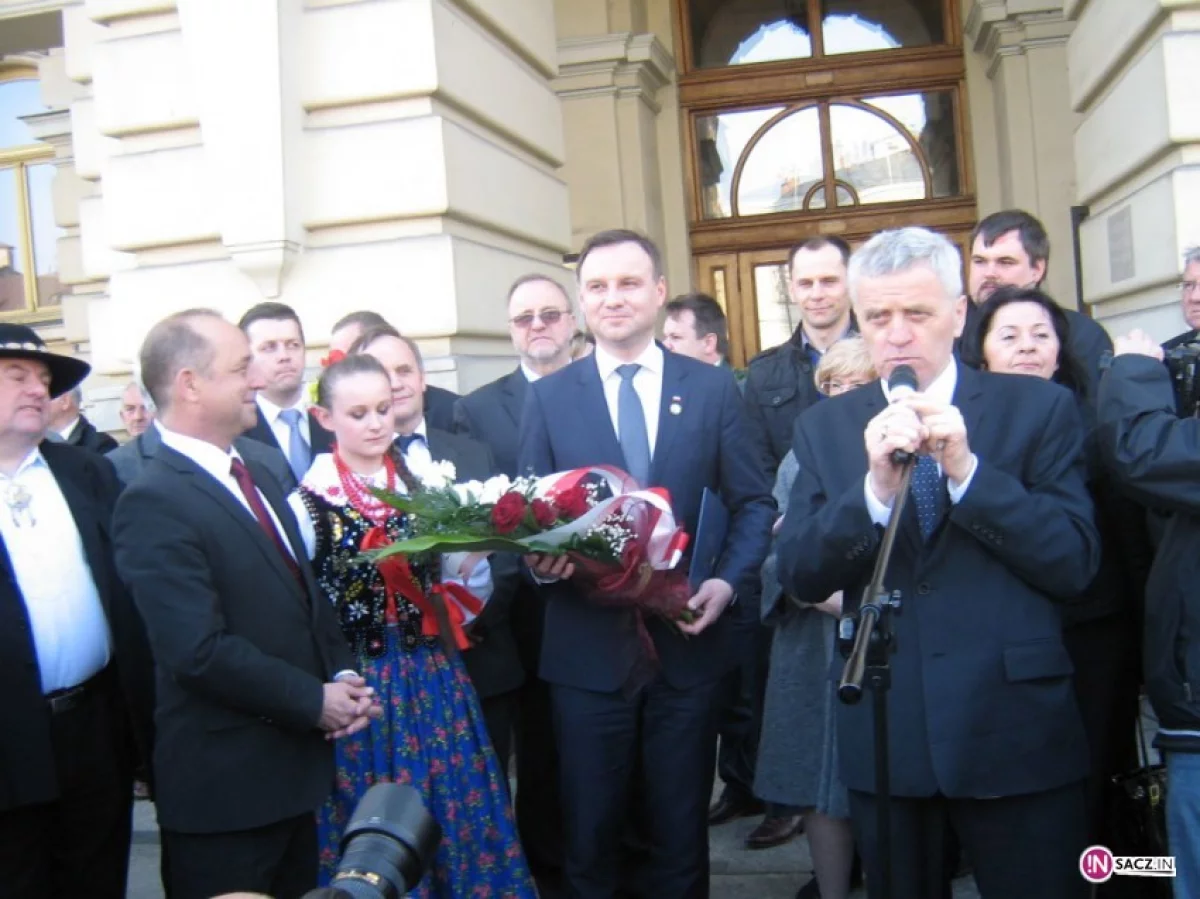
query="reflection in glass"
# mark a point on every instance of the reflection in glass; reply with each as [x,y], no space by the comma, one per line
[929,118]
[784,167]
[740,32]
[46,233]
[12,246]
[18,98]
[860,26]
[873,157]
[720,140]
[777,317]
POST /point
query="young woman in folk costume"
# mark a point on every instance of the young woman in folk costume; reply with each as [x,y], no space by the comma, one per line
[432,732]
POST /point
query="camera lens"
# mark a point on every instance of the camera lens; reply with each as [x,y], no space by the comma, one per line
[387,845]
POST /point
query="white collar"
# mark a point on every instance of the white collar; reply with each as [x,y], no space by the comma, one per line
[419,431]
[272,411]
[530,374]
[943,386]
[66,432]
[322,479]
[34,459]
[208,456]
[651,358]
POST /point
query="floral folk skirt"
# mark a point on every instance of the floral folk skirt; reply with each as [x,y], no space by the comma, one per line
[432,736]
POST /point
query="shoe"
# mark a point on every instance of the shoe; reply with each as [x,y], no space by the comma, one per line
[731,806]
[774,831]
[810,890]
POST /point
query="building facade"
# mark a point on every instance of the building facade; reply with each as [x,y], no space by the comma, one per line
[415,156]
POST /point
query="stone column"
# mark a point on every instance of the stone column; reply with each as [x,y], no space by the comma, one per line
[1134,67]
[1023,46]
[396,155]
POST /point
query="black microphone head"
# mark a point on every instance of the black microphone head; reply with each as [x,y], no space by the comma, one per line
[902,376]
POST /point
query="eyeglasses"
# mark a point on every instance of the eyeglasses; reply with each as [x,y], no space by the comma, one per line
[1189,286]
[546,316]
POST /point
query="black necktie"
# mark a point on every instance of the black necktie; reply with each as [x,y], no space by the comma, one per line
[404,441]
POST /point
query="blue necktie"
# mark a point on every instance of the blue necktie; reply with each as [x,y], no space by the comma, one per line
[631,426]
[299,456]
[926,487]
[404,441]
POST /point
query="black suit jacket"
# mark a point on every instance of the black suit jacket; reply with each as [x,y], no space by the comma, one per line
[242,650]
[492,415]
[130,458]
[493,663]
[981,702]
[27,769]
[439,407]
[321,439]
[566,425]
[87,437]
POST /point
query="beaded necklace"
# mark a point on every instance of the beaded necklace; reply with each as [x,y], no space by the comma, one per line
[374,510]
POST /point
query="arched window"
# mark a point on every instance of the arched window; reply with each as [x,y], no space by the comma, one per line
[29,285]
[811,117]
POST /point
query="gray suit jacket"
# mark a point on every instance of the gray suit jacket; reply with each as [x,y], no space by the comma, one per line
[130,458]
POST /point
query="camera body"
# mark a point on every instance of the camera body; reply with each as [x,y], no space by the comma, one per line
[1183,362]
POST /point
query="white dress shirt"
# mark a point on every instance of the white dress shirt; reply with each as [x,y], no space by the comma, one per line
[529,373]
[218,463]
[70,630]
[279,427]
[66,432]
[940,391]
[647,383]
[417,457]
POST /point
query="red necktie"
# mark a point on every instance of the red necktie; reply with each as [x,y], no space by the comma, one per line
[245,481]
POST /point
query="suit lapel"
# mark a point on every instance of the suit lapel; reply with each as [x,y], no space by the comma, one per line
[262,432]
[268,487]
[513,402]
[968,397]
[672,411]
[597,421]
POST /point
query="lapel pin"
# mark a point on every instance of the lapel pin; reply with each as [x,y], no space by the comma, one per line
[676,405]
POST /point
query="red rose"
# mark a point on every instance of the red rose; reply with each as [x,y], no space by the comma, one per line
[543,513]
[508,513]
[573,502]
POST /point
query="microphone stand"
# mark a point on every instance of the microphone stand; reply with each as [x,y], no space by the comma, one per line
[867,641]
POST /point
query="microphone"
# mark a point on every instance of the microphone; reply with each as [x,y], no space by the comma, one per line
[901,384]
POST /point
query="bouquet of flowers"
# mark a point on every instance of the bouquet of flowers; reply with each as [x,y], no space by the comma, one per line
[623,541]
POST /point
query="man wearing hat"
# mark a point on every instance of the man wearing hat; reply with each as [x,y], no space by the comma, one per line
[73,657]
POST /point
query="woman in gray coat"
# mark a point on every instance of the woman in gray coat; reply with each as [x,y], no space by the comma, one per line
[797,754]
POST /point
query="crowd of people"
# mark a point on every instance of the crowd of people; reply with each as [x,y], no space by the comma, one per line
[190,611]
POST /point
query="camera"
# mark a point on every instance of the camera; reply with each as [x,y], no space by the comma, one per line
[387,846]
[1183,362]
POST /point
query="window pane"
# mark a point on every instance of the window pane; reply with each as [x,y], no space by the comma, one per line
[18,98]
[859,26]
[12,266]
[738,32]
[776,314]
[720,140]
[929,118]
[45,233]
[784,167]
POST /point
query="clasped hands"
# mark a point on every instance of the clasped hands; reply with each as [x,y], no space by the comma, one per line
[918,425]
[349,706]
[710,600]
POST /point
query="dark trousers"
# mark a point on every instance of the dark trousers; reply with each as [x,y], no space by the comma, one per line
[1021,847]
[76,847]
[740,703]
[279,860]
[499,714]
[600,738]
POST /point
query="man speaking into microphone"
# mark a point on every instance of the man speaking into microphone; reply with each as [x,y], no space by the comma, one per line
[984,734]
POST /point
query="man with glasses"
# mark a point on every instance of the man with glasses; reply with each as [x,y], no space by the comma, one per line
[541,325]
[1189,290]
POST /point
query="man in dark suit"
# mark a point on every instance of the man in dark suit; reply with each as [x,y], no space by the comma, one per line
[984,735]
[439,402]
[492,661]
[541,324]
[284,420]
[1189,300]
[69,425]
[254,676]
[1011,247]
[73,656]
[674,423]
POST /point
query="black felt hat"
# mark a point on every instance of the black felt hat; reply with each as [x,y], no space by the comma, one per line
[22,342]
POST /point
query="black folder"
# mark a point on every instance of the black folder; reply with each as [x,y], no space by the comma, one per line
[711,531]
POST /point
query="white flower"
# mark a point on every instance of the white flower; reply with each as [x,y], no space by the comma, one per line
[436,475]
[493,488]
[468,493]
